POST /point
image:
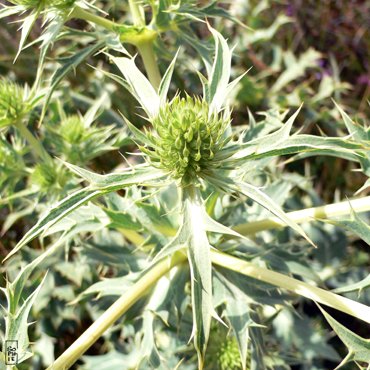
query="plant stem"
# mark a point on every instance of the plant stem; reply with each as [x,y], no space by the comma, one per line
[131,34]
[115,311]
[80,13]
[147,54]
[307,215]
[35,144]
[137,13]
[325,297]
[146,47]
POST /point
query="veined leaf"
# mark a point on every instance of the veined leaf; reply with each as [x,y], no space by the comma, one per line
[101,184]
[166,80]
[199,255]
[258,196]
[358,347]
[67,65]
[220,73]
[140,87]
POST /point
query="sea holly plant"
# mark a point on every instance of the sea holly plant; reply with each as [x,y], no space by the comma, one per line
[190,210]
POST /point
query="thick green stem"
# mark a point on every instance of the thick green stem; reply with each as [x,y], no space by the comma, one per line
[114,312]
[35,145]
[147,54]
[90,17]
[145,48]
[325,297]
[307,215]
[128,34]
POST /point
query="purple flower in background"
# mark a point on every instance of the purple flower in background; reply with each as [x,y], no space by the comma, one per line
[363,80]
[289,11]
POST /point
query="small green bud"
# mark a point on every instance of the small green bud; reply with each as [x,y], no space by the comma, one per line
[228,356]
[186,137]
[46,176]
[13,102]
[72,129]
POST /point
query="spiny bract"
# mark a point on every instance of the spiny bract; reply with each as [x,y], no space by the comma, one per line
[43,4]
[186,137]
[13,103]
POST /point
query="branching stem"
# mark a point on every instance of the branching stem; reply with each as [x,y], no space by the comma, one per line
[114,312]
[328,211]
[139,35]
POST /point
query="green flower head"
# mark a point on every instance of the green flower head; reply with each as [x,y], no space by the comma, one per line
[189,133]
[13,102]
[186,137]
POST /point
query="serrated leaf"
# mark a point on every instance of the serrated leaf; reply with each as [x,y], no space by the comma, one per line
[355,224]
[360,285]
[358,347]
[17,326]
[257,196]
[296,67]
[140,87]
[100,184]
[357,132]
[69,64]
[26,27]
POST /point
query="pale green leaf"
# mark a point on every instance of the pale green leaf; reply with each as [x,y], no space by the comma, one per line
[17,325]
[220,73]
[166,80]
[360,285]
[296,68]
[100,184]
[356,225]
[140,87]
[201,271]
[358,347]
[26,27]
[68,64]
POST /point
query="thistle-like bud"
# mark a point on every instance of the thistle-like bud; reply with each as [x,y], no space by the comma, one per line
[186,137]
[228,356]
[47,176]
[72,129]
[13,102]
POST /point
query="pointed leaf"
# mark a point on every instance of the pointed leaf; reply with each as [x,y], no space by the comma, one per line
[166,80]
[358,347]
[265,201]
[140,87]
[101,184]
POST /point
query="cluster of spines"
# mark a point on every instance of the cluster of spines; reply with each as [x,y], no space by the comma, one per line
[12,102]
[186,137]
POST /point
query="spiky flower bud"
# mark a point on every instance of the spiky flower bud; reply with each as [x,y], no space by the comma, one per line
[228,356]
[13,102]
[47,176]
[186,137]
